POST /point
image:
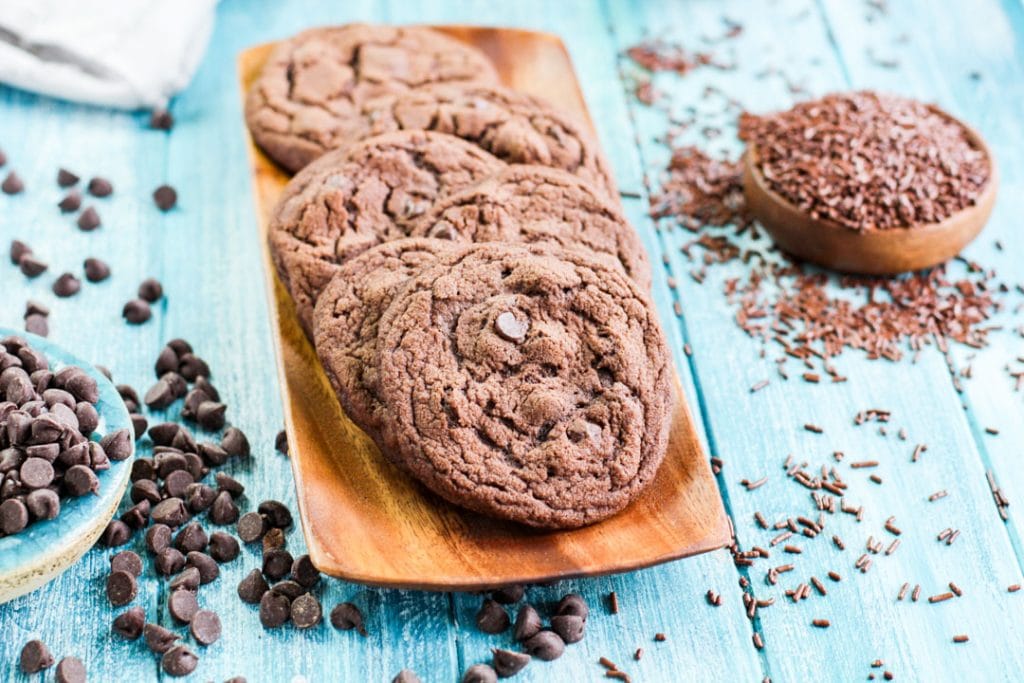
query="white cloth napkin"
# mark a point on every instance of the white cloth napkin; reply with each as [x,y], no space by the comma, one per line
[128,54]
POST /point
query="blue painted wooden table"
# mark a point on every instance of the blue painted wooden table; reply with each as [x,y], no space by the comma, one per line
[206,254]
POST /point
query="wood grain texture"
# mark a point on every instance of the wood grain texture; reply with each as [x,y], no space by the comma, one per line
[356,506]
[211,267]
[828,244]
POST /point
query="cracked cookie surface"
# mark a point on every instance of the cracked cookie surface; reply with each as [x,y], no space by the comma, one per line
[354,198]
[309,97]
[528,383]
[347,317]
[538,205]
[513,126]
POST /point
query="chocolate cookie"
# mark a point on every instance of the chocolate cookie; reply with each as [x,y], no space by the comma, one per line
[346,320]
[354,198]
[310,96]
[534,204]
[529,383]
[512,126]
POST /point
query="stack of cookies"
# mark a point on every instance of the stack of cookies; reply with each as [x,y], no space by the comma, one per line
[457,253]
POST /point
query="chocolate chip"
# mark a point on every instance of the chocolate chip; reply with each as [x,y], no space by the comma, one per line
[165,197]
[252,587]
[273,539]
[480,673]
[169,561]
[137,516]
[228,483]
[129,623]
[163,434]
[126,561]
[573,603]
[251,527]
[191,537]
[13,516]
[277,514]
[288,588]
[43,504]
[276,564]
[223,547]
[70,670]
[158,538]
[192,366]
[207,566]
[117,445]
[275,610]
[67,285]
[117,533]
[491,617]
[545,645]
[205,627]
[88,219]
[100,187]
[187,580]
[509,328]
[223,511]
[12,184]
[37,324]
[161,119]
[345,616]
[18,249]
[177,483]
[121,588]
[179,661]
[569,626]
[507,663]
[151,290]
[139,424]
[66,178]
[71,202]
[508,595]
[136,312]
[304,573]
[158,638]
[35,657]
[159,396]
[210,415]
[80,480]
[96,270]
[281,442]
[306,611]
[36,473]
[31,266]
[528,623]
[88,418]
[182,605]
[235,442]
[199,497]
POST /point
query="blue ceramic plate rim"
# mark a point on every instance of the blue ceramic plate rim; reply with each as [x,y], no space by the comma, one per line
[77,515]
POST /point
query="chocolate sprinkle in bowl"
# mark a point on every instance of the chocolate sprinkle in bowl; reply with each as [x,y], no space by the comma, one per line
[875,229]
[46,547]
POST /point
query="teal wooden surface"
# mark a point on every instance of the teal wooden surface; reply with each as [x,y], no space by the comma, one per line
[206,254]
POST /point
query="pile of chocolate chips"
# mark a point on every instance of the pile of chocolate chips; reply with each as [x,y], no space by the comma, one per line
[868,161]
[566,626]
[46,421]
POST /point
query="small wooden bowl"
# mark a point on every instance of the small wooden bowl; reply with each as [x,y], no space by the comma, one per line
[45,549]
[874,252]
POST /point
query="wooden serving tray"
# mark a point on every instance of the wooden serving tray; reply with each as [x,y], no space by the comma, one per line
[365,521]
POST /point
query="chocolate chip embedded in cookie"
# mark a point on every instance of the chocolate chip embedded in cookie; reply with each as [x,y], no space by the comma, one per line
[512,126]
[538,205]
[354,198]
[527,383]
[347,315]
[309,97]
